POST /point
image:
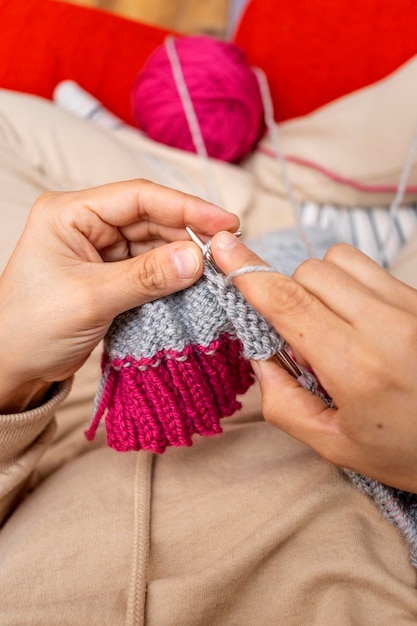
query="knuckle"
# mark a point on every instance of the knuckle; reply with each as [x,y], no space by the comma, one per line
[306,269]
[44,201]
[291,297]
[151,277]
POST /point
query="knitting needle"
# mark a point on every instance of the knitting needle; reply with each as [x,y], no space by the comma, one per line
[205,249]
[282,356]
[288,363]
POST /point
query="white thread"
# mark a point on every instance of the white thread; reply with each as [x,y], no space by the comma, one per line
[399,196]
[192,119]
[276,144]
[267,103]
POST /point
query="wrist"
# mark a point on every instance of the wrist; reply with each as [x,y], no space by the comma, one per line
[18,398]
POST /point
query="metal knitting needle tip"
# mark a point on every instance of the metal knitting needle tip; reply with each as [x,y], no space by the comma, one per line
[282,357]
[196,239]
[287,362]
[205,249]
[200,243]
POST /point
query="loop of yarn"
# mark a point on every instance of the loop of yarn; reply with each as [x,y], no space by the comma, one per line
[222,87]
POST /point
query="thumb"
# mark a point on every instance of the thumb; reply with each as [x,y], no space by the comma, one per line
[123,285]
[295,410]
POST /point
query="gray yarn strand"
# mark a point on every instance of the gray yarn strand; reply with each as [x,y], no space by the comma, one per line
[249,269]
[259,338]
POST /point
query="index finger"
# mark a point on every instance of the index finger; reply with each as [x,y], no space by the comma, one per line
[305,322]
[124,203]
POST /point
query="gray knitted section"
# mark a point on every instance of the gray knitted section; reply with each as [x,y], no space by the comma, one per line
[397,506]
[211,308]
[284,250]
[197,316]
[170,323]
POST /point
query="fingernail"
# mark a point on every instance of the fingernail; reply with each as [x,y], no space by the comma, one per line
[226,241]
[187,262]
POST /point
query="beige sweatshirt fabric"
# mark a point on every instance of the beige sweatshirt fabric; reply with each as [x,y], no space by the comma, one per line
[247,528]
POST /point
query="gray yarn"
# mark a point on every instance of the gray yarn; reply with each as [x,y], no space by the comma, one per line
[259,338]
[169,323]
[211,307]
[284,250]
[396,505]
[198,315]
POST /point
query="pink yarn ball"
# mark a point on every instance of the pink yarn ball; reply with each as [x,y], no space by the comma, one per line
[224,92]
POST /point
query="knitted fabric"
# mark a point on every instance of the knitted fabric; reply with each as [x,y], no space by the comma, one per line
[397,506]
[174,367]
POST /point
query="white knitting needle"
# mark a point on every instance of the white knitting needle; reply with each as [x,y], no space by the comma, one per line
[282,356]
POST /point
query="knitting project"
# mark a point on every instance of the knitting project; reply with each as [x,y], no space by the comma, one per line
[174,367]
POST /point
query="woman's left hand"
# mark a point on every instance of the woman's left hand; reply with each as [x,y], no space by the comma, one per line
[83,258]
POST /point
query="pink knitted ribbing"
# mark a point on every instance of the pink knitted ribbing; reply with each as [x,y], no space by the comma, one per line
[162,401]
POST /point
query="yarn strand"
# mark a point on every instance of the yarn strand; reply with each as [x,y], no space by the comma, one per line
[192,119]
[276,143]
[399,196]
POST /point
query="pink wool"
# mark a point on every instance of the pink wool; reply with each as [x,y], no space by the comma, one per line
[163,401]
[223,90]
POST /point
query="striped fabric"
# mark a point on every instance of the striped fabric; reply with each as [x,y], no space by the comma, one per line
[372,230]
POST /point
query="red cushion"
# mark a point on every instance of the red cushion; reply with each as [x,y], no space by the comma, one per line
[43,42]
[314,51]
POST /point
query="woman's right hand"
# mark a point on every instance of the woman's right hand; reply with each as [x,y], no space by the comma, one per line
[356,326]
